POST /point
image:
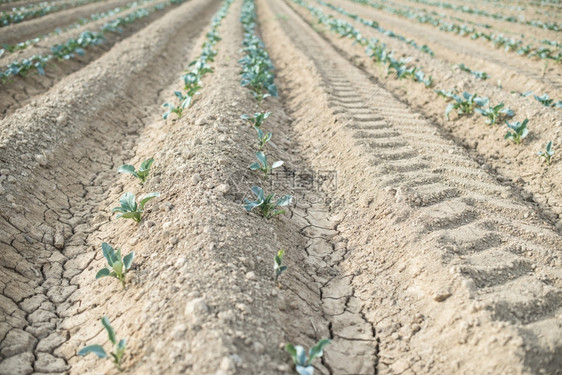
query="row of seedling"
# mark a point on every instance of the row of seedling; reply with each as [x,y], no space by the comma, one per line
[18,15]
[257,75]
[544,99]
[192,78]
[498,40]
[376,50]
[11,48]
[467,103]
[498,16]
[257,68]
[132,208]
[375,25]
[118,264]
[77,46]
[463,103]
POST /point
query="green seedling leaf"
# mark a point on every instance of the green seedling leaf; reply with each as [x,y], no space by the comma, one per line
[143,171]
[127,168]
[129,208]
[118,266]
[128,260]
[317,350]
[118,347]
[258,119]
[145,198]
[108,328]
[278,267]
[102,273]
[263,138]
[268,208]
[547,154]
[518,131]
[96,349]
[303,362]
[262,165]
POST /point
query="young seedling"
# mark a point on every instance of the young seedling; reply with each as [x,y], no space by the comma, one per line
[263,138]
[278,266]
[118,347]
[261,164]
[258,119]
[493,113]
[142,173]
[520,130]
[118,265]
[544,100]
[463,105]
[268,207]
[301,360]
[548,154]
[129,208]
[185,102]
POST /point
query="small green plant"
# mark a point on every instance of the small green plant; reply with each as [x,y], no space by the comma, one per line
[463,104]
[263,138]
[129,208]
[268,207]
[478,75]
[143,171]
[303,363]
[258,119]
[520,130]
[548,154]
[544,100]
[493,113]
[118,347]
[278,266]
[261,164]
[118,264]
[185,102]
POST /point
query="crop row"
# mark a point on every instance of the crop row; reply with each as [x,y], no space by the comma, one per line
[77,46]
[497,40]
[132,208]
[199,68]
[424,48]
[11,48]
[375,25]
[498,16]
[463,104]
[22,14]
[257,68]
[258,76]
[480,75]
[374,48]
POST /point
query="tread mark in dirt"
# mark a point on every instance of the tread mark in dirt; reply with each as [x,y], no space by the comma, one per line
[509,289]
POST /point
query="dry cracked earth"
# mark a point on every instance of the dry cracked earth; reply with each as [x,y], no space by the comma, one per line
[416,244]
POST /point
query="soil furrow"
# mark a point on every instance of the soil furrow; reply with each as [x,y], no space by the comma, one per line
[34,85]
[77,167]
[498,64]
[431,292]
[22,31]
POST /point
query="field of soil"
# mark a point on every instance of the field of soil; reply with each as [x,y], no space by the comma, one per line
[415,243]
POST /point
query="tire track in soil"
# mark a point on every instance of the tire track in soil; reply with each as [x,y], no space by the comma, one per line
[505,264]
[510,164]
[42,263]
[20,91]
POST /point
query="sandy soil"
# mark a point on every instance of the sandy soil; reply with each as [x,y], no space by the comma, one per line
[419,246]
